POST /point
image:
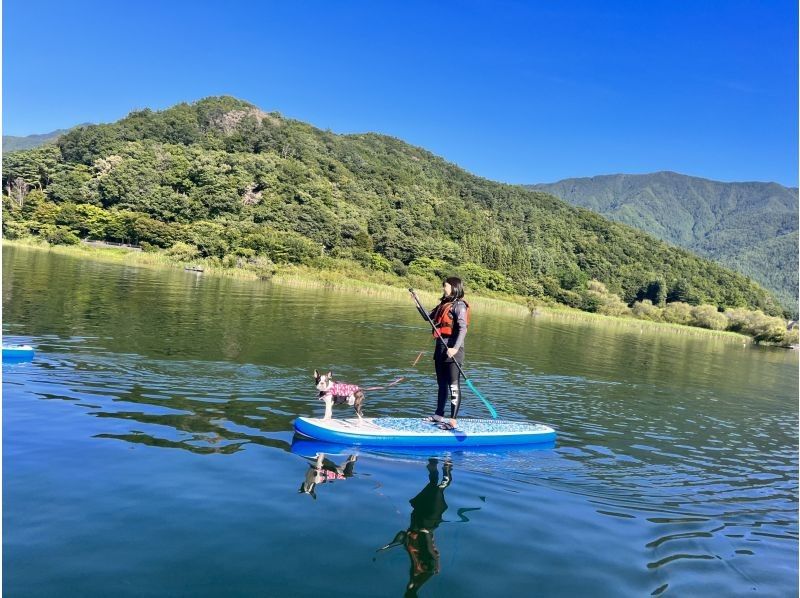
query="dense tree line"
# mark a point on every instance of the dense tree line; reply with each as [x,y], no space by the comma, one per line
[231,182]
[749,227]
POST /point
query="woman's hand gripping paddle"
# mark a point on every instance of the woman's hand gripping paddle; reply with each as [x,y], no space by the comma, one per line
[441,340]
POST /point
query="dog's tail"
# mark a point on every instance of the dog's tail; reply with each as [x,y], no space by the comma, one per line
[387,386]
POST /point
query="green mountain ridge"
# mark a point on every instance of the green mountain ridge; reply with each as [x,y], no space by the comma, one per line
[222,178]
[14,143]
[751,227]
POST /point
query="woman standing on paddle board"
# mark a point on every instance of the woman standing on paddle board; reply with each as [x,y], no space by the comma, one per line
[451,318]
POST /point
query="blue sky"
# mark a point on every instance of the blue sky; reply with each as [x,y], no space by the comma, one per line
[512,91]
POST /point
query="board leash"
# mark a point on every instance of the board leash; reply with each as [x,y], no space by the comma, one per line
[401,378]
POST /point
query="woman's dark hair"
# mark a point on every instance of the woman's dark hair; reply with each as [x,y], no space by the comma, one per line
[457,287]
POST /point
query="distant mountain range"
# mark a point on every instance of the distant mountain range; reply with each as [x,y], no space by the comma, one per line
[12,143]
[749,227]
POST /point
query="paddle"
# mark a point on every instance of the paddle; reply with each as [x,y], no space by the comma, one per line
[458,365]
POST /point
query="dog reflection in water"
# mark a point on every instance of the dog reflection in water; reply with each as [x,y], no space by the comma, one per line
[428,507]
[322,470]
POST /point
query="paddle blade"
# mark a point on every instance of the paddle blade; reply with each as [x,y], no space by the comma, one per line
[480,396]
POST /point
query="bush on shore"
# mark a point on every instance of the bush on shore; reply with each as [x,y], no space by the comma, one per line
[763,328]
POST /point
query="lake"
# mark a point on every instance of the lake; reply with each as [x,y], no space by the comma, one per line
[148,449]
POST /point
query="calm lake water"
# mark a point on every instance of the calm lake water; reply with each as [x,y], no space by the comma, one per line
[148,450]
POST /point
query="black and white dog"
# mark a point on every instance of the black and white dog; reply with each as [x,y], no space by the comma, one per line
[338,393]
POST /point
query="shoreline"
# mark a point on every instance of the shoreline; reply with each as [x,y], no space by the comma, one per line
[308,277]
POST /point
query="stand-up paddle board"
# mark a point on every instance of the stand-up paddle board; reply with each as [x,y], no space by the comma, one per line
[410,432]
[17,352]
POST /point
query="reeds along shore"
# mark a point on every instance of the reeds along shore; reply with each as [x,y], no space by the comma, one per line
[351,277]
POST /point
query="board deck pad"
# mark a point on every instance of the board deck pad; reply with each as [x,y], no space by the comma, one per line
[409,431]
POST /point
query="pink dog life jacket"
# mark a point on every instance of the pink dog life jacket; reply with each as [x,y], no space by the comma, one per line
[340,391]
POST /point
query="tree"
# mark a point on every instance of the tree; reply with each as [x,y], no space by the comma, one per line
[30,169]
[645,310]
[678,313]
[707,316]
[654,291]
[17,190]
[85,144]
[71,184]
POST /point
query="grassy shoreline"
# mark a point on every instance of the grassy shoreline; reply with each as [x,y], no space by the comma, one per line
[389,286]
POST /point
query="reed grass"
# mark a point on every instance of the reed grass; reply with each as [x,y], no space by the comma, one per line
[361,281]
[635,323]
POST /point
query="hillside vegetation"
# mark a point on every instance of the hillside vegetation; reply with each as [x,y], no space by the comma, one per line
[749,227]
[221,180]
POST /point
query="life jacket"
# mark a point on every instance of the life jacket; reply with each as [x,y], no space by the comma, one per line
[443,318]
[339,390]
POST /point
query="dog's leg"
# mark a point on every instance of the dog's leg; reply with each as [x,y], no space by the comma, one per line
[359,399]
[347,467]
[328,407]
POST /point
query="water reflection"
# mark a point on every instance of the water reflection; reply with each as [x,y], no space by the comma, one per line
[682,449]
[418,540]
[322,470]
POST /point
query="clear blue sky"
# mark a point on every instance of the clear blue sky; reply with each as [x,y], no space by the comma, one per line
[513,91]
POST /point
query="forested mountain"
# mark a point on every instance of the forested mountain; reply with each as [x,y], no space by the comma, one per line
[750,227]
[233,182]
[12,143]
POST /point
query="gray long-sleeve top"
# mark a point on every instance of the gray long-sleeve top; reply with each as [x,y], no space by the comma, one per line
[456,340]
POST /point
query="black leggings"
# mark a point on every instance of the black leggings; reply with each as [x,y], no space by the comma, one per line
[449,381]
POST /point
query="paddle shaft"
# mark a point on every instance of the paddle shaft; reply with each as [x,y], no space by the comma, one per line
[438,336]
[436,333]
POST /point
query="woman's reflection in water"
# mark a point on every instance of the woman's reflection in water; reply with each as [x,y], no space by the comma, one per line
[429,506]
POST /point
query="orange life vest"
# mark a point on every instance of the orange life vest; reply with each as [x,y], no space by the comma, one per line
[443,318]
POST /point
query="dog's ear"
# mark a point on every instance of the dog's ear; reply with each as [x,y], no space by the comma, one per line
[330,374]
[316,374]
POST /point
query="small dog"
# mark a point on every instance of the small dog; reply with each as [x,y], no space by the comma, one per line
[338,393]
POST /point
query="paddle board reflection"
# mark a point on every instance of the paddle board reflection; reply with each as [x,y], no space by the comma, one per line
[428,507]
[322,470]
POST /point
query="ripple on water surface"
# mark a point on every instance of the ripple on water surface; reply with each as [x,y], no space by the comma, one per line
[161,413]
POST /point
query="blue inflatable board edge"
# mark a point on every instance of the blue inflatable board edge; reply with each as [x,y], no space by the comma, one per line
[413,432]
[18,352]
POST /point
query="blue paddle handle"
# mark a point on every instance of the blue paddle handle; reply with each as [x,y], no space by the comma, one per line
[480,396]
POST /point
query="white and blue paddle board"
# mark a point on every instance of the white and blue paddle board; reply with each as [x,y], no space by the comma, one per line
[412,432]
[17,352]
